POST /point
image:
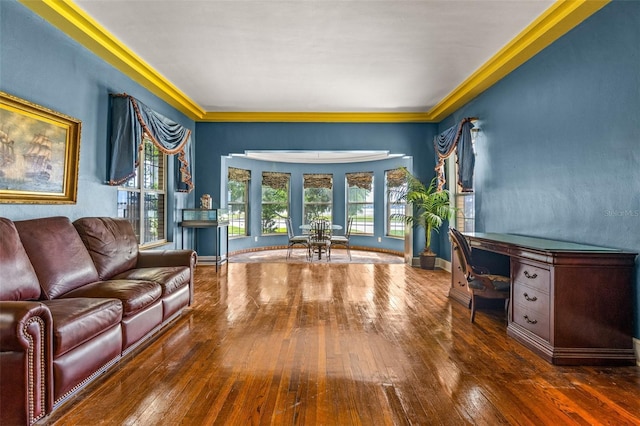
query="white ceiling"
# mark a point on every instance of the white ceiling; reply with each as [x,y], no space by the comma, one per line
[315,55]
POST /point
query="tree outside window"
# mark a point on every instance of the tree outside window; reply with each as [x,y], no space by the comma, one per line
[238,201]
[141,199]
[318,197]
[360,202]
[275,202]
[396,207]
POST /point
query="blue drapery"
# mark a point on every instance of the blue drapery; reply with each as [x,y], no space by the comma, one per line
[456,137]
[131,120]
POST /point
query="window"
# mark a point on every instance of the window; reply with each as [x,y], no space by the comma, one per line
[360,202]
[318,197]
[275,202]
[464,201]
[141,199]
[396,186]
[238,201]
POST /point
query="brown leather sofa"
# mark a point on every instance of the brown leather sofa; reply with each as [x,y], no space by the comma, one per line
[74,299]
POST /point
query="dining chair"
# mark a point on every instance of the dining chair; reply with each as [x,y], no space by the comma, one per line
[295,240]
[320,239]
[343,240]
[480,282]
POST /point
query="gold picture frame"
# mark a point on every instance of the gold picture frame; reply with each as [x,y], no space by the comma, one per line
[39,153]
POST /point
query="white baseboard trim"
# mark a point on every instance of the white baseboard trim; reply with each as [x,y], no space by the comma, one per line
[208,260]
[443,264]
[636,346]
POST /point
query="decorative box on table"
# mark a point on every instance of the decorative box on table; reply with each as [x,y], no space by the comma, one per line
[205,217]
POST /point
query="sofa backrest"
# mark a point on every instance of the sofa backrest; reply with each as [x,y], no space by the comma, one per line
[60,259]
[18,280]
[111,242]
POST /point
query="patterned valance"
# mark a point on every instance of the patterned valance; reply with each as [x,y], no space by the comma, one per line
[276,180]
[456,138]
[239,175]
[131,122]
[318,181]
[396,178]
[362,180]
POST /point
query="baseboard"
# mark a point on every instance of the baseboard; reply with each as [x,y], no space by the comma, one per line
[209,260]
[636,346]
[440,263]
[443,264]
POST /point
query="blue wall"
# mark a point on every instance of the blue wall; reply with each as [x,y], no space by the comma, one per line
[558,155]
[218,140]
[41,64]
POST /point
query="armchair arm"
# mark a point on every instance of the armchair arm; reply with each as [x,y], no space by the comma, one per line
[26,367]
[151,258]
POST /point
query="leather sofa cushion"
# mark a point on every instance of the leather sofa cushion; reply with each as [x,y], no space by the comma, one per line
[78,320]
[60,259]
[171,278]
[135,295]
[111,243]
[18,280]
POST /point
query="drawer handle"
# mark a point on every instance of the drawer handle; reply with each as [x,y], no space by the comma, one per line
[530,299]
[528,275]
[530,321]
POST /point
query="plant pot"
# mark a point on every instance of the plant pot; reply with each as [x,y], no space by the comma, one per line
[428,261]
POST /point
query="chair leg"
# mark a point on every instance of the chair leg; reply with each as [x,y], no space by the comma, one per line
[473,307]
[349,251]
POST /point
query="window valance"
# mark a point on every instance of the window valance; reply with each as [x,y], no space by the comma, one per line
[131,121]
[239,175]
[456,138]
[362,180]
[396,178]
[276,180]
[318,181]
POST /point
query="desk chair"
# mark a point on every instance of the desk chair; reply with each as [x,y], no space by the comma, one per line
[320,239]
[294,240]
[480,283]
[343,240]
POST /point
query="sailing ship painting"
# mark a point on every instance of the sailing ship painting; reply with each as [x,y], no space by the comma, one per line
[32,154]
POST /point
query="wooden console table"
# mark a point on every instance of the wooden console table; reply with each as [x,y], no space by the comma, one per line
[570,303]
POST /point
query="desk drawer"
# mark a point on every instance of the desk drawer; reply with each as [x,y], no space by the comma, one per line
[536,322]
[531,275]
[530,298]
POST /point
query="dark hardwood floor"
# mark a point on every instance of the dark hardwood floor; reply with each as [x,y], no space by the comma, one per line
[344,344]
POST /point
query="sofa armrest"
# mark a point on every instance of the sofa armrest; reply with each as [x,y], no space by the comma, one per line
[26,367]
[153,258]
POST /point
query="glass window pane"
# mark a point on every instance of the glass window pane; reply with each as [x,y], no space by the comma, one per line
[153,216]
[153,167]
[148,217]
[360,206]
[317,204]
[129,208]
[275,208]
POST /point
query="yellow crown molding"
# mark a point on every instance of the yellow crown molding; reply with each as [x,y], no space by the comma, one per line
[316,117]
[556,21]
[73,21]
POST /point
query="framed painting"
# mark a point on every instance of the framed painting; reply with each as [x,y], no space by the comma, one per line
[39,153]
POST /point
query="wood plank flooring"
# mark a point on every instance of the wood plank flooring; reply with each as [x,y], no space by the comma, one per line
[344,344]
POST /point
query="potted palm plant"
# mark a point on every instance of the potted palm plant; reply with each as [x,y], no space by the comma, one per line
[431,208]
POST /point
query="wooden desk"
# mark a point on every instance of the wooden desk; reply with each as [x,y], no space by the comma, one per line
[570,303]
